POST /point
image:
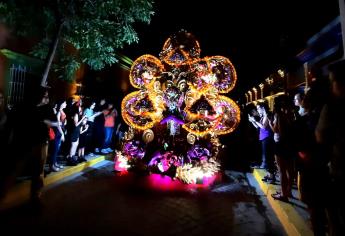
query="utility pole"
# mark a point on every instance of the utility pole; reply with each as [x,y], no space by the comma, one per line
[342,22]
[306,75]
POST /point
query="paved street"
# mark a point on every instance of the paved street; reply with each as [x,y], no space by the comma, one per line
[101,202]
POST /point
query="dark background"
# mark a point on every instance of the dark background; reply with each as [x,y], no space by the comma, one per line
[257,36]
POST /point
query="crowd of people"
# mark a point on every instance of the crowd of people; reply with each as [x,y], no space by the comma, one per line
[304,144]
[45,136]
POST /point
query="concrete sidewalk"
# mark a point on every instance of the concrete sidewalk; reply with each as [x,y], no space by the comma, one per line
[20,192]
[292,215]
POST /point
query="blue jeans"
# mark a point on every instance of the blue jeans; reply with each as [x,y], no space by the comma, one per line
[268,154]
[56,147]
[108,135]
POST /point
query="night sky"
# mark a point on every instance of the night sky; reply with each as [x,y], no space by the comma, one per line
[257,36]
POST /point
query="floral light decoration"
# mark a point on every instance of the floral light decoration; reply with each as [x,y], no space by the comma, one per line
[178,112]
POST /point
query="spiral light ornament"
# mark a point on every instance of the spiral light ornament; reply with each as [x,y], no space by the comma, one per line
[148,136]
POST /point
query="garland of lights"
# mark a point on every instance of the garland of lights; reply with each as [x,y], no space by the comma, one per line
[177,111]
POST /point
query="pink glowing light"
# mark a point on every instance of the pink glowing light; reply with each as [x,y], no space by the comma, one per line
[166,183]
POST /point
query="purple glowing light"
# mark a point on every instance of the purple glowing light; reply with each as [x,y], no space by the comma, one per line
[172,118]
[133,149]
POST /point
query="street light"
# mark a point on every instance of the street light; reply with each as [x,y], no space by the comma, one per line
[255,93]
[281,73]
[250,96]
[261,86]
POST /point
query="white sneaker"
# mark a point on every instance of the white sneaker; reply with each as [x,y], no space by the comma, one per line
[96,150]
[59,166]
[109,150]
[54,168]
[104,151]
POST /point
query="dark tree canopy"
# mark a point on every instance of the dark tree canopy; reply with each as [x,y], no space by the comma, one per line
[76,31]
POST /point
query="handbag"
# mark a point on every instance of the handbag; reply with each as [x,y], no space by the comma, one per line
[51,134]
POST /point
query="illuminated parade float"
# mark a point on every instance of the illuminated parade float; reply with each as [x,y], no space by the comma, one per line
[177,113]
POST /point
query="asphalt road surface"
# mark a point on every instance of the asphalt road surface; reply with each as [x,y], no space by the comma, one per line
[102,202]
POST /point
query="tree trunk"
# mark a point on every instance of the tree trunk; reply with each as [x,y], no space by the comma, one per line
[50,56]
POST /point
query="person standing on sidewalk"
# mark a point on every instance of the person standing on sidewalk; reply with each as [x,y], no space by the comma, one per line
[312,165]
[266,139]
[42,119]
[282,126]
[90,114]
[330,133]
[110,115]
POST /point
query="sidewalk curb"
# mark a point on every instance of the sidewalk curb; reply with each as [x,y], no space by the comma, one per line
[292,222]
[20,193]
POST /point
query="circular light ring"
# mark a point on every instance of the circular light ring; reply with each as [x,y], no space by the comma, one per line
[224,71]
[186,42]
[231,116]
[181,48]
[200,74]
[132,105]
[132,101]
[131,116]
[145,70]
